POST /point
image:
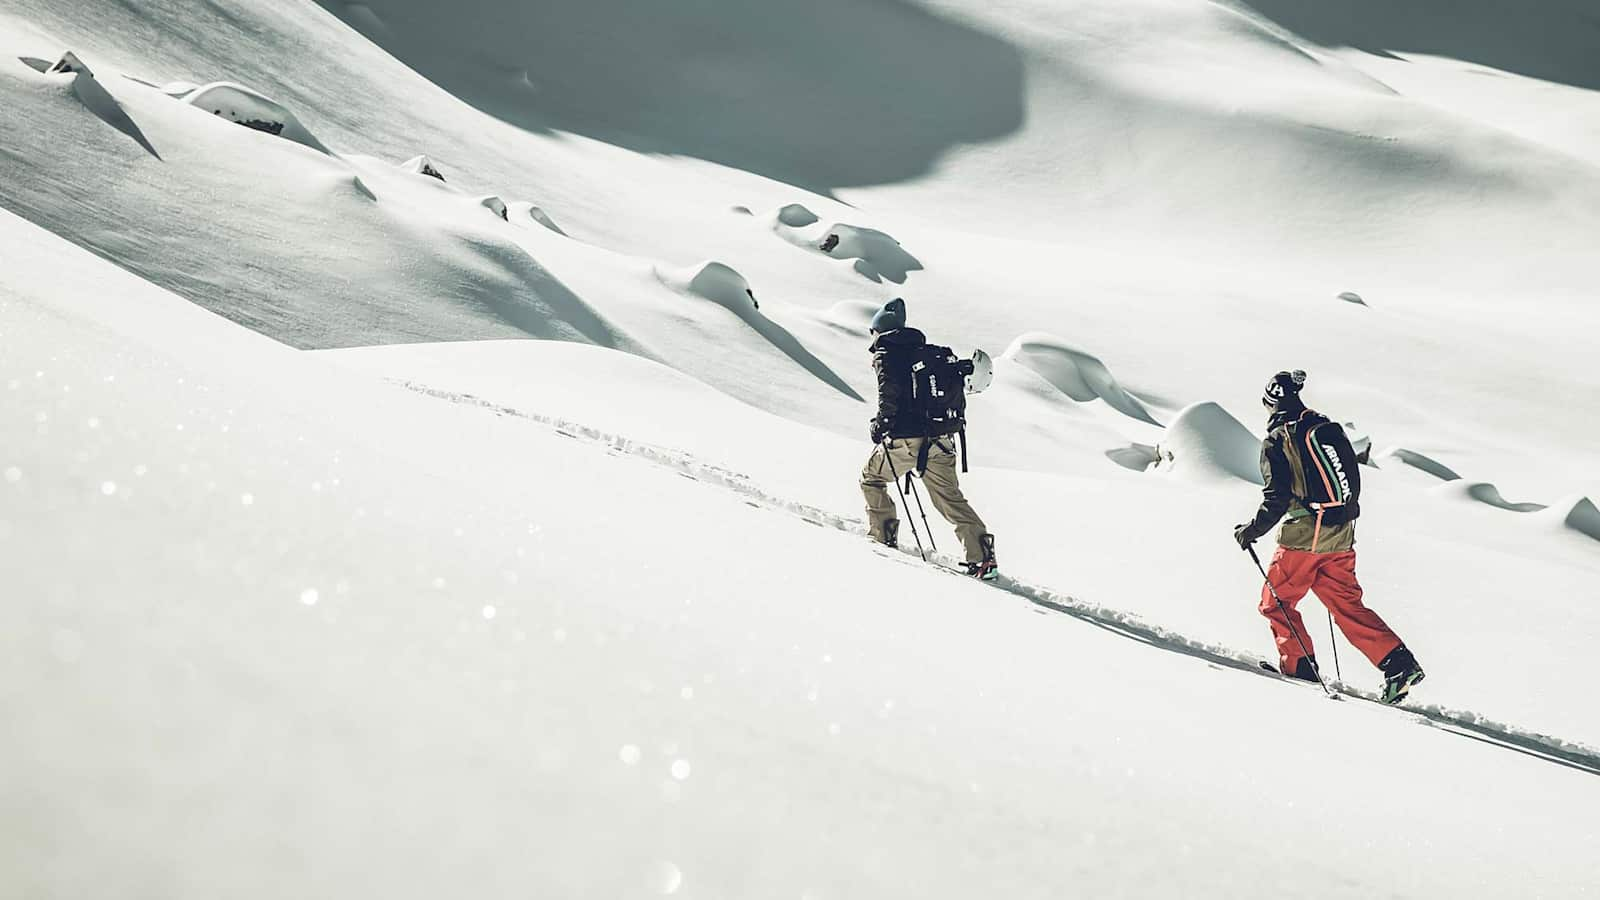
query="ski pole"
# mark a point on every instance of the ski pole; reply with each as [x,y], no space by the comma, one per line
[922,512]
[1315,669]
[1335,645]
[895,477]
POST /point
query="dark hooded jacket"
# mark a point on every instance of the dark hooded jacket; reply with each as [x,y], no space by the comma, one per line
[1309,473]
[893,353]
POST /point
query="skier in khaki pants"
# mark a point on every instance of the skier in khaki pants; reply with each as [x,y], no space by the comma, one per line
[909,439]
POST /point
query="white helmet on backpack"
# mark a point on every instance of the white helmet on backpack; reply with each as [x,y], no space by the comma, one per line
[982,372]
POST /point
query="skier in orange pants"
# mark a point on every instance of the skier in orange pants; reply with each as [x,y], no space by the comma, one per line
[1333,577]
[1311,475]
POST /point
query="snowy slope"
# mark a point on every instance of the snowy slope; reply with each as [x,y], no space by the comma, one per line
[434,597]
[1465,242]
[1052,527]
[337,625]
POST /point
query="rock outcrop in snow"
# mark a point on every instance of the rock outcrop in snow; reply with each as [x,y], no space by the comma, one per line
[422,165]
[243,106]
[1073,372]
[69,64]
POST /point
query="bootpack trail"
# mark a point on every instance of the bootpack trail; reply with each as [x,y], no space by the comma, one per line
[1460,722]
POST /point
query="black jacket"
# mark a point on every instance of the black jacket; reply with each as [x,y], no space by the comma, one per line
[892,355]
[1292,480]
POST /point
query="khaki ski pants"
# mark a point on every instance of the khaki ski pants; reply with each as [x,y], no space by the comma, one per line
[940,480]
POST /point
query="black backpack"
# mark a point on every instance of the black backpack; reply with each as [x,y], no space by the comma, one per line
[939,396]
[1332,472]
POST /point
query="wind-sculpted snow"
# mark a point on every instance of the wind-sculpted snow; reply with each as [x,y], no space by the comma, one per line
[93,95]
[304,589]
[720,284]
[1471,723]
[422,165]
[274,231]
[876,256]
[1138,457]
[1079,375]
[1204,440]
[1421,462]
[794,215]
[1487,494]
[243,106]
[1573,513]
[523,208]
[853,317]
[1580,515]
[495,205]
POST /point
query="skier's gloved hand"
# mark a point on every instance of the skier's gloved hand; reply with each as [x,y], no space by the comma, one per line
[878,430]
[1245,535]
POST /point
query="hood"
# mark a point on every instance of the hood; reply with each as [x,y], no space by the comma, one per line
[1288,410]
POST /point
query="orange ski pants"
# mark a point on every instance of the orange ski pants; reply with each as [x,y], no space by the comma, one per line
[1332,576]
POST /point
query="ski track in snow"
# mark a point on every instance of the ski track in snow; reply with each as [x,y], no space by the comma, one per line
[1456,721]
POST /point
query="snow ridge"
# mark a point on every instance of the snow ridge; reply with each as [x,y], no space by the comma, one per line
[1467,723]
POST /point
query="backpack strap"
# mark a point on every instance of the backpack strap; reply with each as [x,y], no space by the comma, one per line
[1314,453]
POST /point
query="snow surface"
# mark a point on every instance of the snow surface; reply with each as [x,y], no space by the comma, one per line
[322,579]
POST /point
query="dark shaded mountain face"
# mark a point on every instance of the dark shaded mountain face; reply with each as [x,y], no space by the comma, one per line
[822,95]
[1555,40]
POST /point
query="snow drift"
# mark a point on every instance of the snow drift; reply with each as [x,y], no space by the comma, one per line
[422,165]
[1204,441]
[1578,514]
[877,255]
[97,99]
[1079,375]
[243,106]
[720,284]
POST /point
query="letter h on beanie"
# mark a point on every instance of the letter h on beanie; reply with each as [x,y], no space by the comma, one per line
[1283,386]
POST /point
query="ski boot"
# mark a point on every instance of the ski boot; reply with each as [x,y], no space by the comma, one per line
[891,534]
[1305,669]
[1400,673]
[985,569]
